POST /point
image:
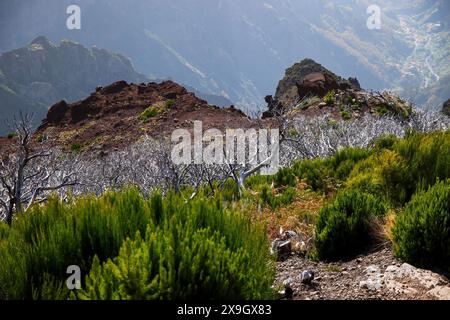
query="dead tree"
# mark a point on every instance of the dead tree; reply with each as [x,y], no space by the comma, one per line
[28,172]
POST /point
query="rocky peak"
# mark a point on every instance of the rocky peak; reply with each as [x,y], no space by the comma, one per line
[34,77]
[311,89]
[309,77]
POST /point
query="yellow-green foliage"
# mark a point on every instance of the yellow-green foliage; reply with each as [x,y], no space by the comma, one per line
[322,174]
[422,233]
[379,174]
[194,249]
[329,98]
[405,166]
[346,115]
[150,112]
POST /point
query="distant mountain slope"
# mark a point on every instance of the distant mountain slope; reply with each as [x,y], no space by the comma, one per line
[239,49]
[34,77]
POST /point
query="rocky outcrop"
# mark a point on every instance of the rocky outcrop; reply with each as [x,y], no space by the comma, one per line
[407,280]
[312,90]
[310,78]
[446,108]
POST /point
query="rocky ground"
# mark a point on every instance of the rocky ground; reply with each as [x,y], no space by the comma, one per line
[375,276]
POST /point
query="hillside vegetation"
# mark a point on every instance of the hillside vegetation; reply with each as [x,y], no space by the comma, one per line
[216,245]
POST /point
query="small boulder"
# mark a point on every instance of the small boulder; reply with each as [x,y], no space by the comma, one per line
[307,277]
[282,249]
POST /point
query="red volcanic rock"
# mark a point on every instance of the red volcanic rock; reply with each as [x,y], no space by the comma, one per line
[112,115]
[171,90]
[319,84]
[114,88]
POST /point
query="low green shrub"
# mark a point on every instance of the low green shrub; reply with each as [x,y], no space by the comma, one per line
[329,98]
[343,162]
[322,174]
[275,201]
[344,226]
[48,239]
[198,250]
[194,239]
[422,233]
[385,142]
[315,172]
[230,191]
[12,135]
[427,159]
[346,115]
[149,113]
[285,177]
[76,147]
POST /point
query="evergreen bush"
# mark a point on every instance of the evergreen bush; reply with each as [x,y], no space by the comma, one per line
[196,248]
[343,227]
[422,233]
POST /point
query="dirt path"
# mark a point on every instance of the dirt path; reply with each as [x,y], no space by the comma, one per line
[375,276]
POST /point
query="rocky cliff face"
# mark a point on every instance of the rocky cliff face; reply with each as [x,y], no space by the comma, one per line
[34,77]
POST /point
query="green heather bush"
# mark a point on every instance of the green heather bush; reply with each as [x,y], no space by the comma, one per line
[76,147]
[255,182]
[400,167]
[343,162]
[285,177]
[230,191]
[422,233]
[427,159]
[385,142]
[197,250]
[321,174]
[49,238]
[199,240]
[12,135]
[315,172]
[275,201]
[344,226]
[346,115]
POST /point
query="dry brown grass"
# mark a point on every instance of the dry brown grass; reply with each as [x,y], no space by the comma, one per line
[381,229]
[299,216]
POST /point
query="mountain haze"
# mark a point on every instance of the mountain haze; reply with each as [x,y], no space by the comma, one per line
[239,49]
[34,77]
